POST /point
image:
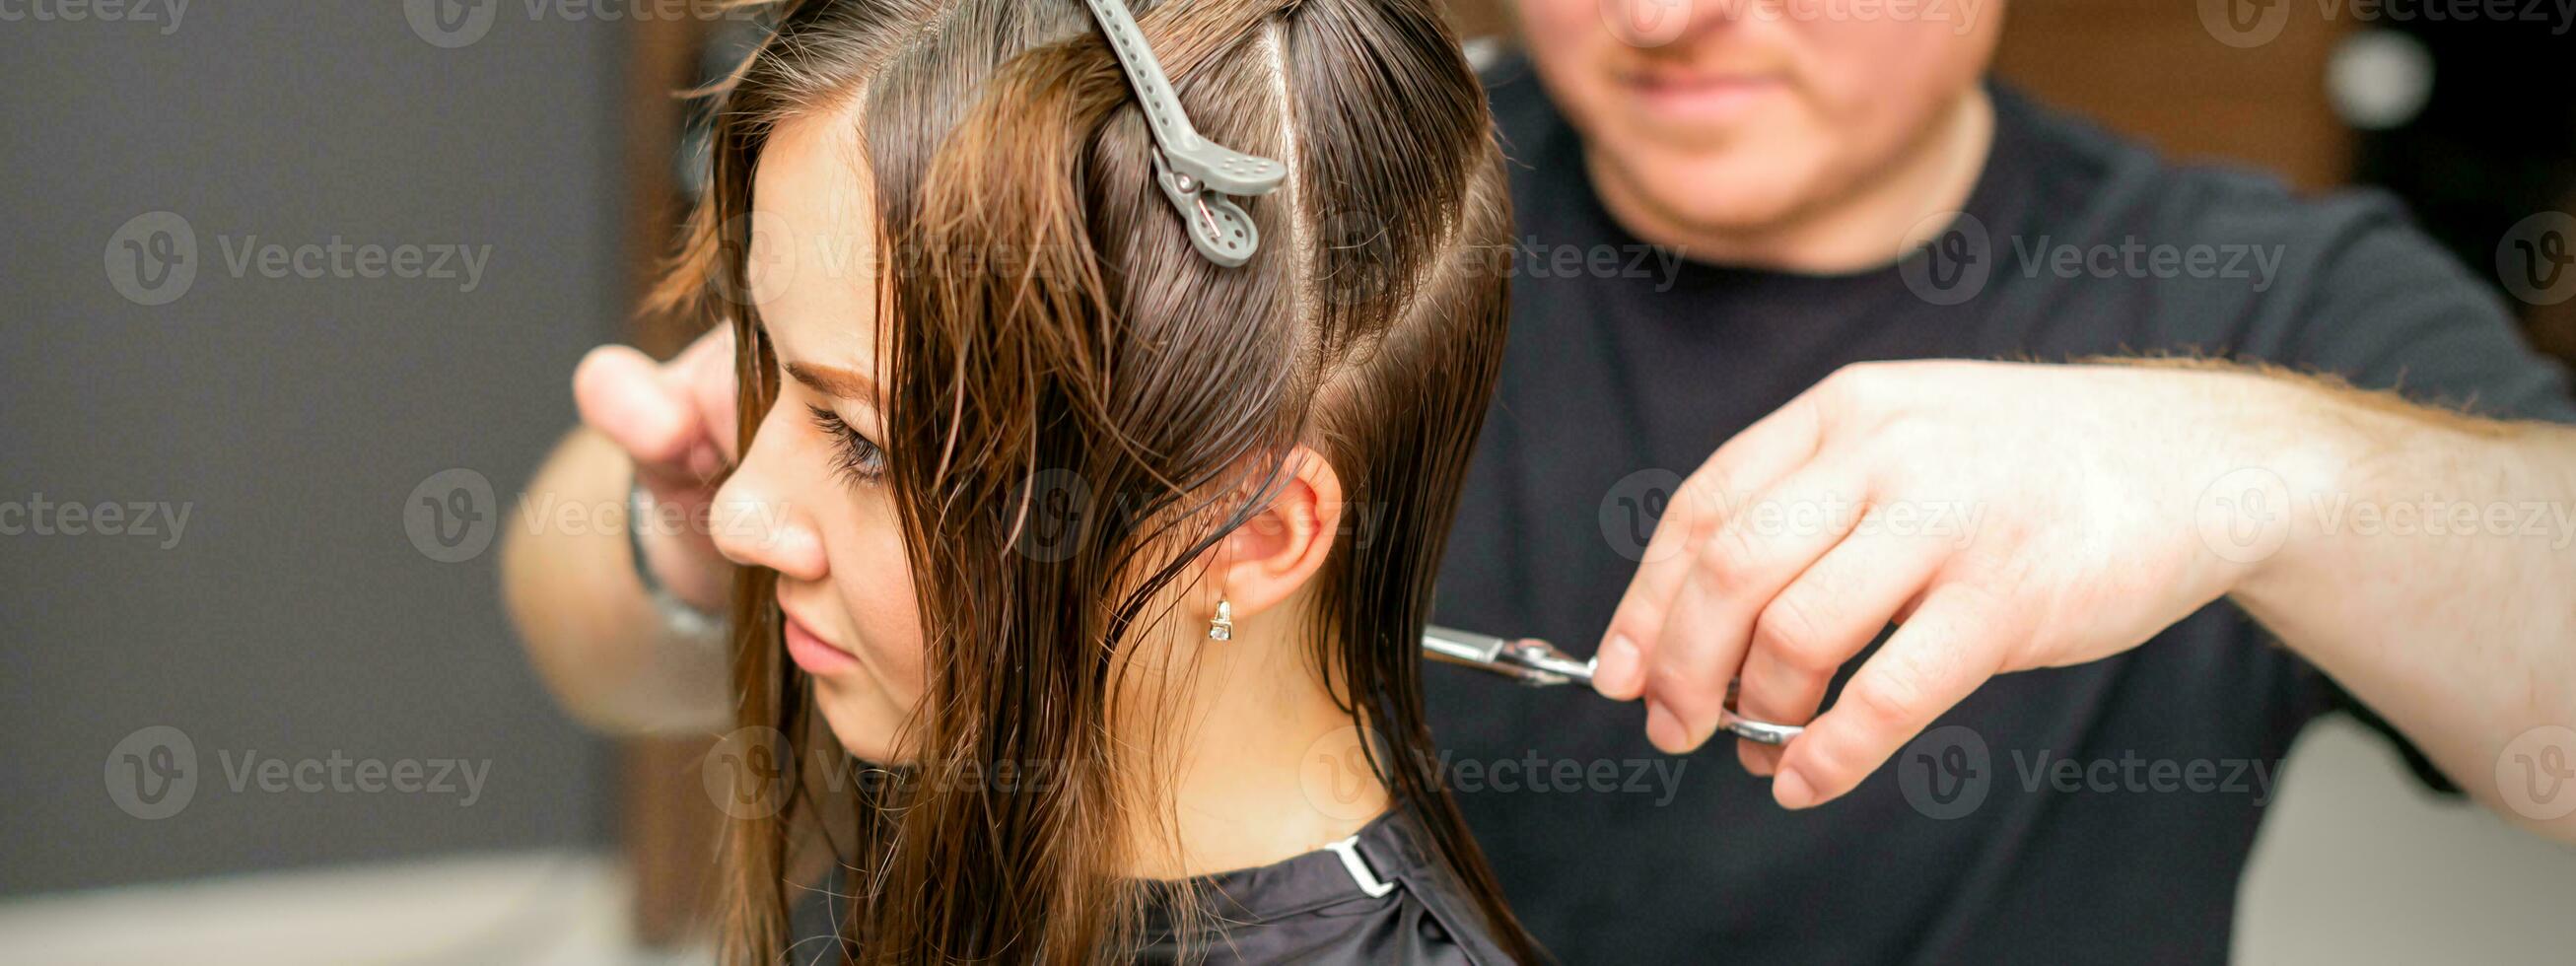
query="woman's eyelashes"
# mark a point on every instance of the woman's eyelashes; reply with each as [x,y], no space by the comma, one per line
[857,460]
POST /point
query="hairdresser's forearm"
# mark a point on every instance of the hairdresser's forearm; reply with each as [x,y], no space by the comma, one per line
[2431,575]
[592,633]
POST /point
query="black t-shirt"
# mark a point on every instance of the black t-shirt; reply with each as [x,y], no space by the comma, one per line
[1629,367]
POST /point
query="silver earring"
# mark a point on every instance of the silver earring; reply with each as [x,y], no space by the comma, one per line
[1222,628]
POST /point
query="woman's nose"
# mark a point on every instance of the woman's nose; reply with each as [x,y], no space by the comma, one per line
[758,525]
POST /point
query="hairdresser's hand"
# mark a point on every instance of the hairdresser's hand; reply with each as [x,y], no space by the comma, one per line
[676,421]
[2006,516]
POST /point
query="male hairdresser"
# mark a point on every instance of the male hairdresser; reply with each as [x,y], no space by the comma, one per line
[2321,476]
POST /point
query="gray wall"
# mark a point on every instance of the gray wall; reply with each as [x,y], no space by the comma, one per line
[295,617]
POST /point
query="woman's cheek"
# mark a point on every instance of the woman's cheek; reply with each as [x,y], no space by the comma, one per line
[889,619]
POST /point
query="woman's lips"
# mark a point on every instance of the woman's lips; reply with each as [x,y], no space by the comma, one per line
[817,656]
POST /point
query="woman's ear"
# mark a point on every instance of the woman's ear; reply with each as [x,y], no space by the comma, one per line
[1264,561]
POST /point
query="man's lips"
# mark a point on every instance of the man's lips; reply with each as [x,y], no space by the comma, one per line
[1702,97]
[810,651]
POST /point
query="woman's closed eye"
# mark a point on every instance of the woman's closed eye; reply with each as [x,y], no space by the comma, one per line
[859,461]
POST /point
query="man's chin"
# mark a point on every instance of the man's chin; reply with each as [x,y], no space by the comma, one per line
[1706,198]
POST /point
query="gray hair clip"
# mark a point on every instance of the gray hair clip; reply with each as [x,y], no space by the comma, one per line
[1196,174]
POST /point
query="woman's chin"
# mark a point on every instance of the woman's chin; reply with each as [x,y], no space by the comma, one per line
[862,724]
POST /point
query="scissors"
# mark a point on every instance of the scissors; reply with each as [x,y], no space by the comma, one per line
[1538,664]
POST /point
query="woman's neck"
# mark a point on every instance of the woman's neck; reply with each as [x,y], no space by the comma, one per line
[1266,767]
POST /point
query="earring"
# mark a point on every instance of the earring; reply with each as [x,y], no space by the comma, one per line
[1222,627]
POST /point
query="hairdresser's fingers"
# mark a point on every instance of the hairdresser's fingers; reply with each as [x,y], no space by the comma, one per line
[1949,646]
[1734,574]
[1821,620]
[1749,463]
[621,393]
[704,372]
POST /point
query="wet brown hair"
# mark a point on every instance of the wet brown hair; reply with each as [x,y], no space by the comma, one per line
[1052,351]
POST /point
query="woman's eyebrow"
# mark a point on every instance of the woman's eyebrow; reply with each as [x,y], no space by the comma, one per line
[835,381]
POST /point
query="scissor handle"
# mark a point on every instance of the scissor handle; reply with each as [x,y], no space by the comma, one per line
[1535,663]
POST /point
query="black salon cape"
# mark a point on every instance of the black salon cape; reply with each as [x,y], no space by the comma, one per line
[1612,372]
[1307,909]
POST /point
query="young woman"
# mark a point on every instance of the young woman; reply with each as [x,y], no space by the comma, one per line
[1110,560]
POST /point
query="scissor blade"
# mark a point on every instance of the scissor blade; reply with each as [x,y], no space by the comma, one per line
[1532,662]
[1462,647]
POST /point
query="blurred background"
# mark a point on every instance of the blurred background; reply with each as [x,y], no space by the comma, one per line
[292,297]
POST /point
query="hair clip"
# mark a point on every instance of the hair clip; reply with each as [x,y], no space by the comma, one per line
[1196,174]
